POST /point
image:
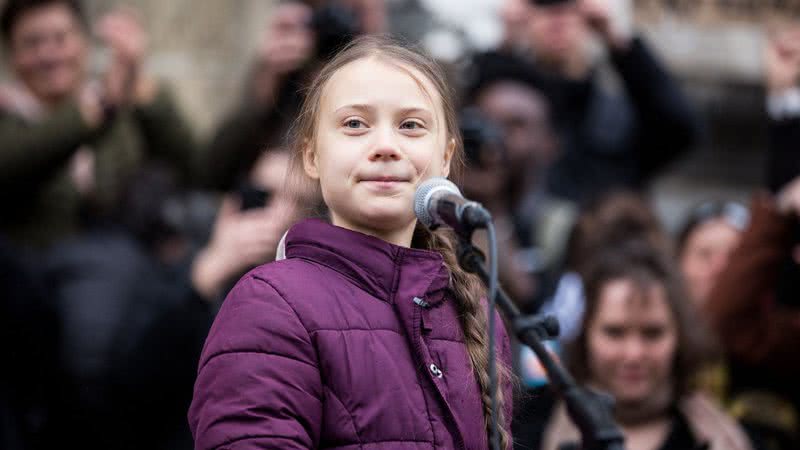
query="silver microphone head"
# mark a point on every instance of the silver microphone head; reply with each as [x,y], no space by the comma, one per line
[424,195]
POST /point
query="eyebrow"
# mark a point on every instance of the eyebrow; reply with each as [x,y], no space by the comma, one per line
[362,107]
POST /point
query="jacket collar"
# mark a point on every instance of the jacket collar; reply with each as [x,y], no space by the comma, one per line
[371,263]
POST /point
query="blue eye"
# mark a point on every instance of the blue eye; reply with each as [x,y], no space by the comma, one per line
[411,125]
[353,123]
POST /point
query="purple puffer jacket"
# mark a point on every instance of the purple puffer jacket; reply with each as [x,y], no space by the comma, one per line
[350,343]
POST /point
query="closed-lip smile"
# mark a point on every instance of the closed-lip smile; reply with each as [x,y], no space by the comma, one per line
[384,179]
[384,183]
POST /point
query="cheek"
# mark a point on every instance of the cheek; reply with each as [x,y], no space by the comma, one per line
[663,354]
[23,63]
[337,158]
[602,353]
[695,264]
[427,167]
[333,170]
[427,158]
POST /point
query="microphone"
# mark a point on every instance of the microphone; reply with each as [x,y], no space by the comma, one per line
[438,202]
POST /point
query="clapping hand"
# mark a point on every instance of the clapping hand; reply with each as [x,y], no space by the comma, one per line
[597,14]
[123,33]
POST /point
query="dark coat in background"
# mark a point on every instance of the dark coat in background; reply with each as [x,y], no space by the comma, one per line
[29,331]
[131,334]
[612,141]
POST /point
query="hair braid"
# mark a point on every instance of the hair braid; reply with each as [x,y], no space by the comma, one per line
[469,291]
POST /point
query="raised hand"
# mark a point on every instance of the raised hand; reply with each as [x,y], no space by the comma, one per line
[123,33]
[597,14]
[240,240]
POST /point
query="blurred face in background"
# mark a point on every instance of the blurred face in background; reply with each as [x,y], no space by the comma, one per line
[269,171]
[371,14]
[523,116]
[48,51]
[705,254]
[557,33]
[282,198]
[631,340]
[515,15]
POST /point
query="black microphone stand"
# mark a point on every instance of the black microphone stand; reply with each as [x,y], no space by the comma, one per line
[589,411]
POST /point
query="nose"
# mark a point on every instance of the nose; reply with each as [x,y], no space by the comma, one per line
[635,349]
[718,262]
[385,147]
[48,49]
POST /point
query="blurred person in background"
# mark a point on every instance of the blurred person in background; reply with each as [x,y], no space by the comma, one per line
[250,224]
[105,286]
[510,143]
[616,220]
[300,36]
[515,15]
[609,140]
[638,343]
[755,304]
[611,221]
[710,233]
[753,307]
[135,303]
[69,143]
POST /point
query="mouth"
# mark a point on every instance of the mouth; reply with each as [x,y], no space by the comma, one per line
[632,376]
[384,179]
[383,183]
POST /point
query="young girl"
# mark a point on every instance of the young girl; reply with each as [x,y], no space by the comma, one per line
[369,335]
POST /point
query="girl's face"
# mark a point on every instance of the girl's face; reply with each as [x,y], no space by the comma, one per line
[632,340]
[380,131]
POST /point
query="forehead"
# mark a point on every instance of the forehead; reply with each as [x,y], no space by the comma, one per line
[714,229]
[632,303]
[382,83]
[556,9]
[45,16]
[512,96]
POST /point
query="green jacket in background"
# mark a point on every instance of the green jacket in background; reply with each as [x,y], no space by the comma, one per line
[40,203]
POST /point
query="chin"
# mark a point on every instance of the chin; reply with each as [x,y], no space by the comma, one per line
[387,220]
[633,394]
[55,90]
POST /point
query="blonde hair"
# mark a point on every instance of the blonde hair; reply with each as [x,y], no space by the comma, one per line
[467,288]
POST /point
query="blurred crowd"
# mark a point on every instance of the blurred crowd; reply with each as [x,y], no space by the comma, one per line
[121,232]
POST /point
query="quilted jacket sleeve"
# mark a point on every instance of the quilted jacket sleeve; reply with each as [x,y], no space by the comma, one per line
[258,384]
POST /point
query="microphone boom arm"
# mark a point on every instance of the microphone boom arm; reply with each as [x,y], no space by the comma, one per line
[589,411]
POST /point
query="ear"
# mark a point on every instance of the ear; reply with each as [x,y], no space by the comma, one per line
[449,151]
[310,165]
